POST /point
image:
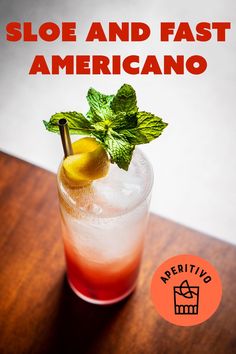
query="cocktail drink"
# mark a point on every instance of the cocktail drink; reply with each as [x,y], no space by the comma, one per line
[104,187]
[103,230]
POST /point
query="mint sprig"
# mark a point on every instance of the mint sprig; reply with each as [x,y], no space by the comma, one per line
[114,120]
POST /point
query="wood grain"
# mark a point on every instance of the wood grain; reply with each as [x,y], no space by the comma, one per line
[40,314]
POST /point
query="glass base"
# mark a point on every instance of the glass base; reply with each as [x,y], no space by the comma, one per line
[101,302]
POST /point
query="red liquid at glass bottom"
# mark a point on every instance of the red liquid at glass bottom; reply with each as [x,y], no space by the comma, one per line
[101,284]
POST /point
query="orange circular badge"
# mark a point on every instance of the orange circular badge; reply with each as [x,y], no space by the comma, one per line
[186,290]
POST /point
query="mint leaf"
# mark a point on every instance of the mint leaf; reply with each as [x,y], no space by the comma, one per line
[125,100]
[119,149]
[99,106]
[77,123]
[122,120]
[51,127]
[148,128]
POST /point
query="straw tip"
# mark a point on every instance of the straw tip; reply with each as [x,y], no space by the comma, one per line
[62,121]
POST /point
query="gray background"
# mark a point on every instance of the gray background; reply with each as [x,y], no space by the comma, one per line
[194,161]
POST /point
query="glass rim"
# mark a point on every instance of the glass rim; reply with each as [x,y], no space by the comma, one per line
[147,191]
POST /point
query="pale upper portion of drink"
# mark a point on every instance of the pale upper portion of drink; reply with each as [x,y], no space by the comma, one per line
[104,225]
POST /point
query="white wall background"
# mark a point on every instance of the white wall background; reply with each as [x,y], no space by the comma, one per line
[194,160]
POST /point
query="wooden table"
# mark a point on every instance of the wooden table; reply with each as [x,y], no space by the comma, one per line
[40,314]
